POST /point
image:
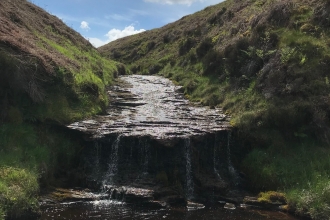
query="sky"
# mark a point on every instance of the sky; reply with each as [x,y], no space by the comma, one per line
[102,21]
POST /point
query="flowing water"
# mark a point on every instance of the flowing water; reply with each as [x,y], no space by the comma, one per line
[216,160]
[113,163]
[189,178]
[144,147]
[152,106]
[115,210]
[232,171]
[153,109]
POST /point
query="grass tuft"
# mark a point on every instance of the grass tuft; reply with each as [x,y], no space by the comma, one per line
[18,191]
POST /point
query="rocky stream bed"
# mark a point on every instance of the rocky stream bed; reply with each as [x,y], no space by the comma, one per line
[155,155]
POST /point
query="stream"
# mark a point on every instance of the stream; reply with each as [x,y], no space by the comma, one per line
[115,210]
[155,155]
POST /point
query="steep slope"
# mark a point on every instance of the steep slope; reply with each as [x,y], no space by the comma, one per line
[49,75]
[39,53]
[266,62]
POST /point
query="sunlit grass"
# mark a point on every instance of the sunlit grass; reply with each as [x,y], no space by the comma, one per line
[28,155]
[18,190]
[302,172]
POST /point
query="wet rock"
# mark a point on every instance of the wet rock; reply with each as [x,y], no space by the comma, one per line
[176,201]
[130,194]
[158,198]
[230,206]
[134,195]
[152,106]
[210,183]
[254,201]
[68,195]
[150,129]
[194,206]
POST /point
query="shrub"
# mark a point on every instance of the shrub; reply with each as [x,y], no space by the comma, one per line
[186,45]
[213,63]
[204,47]
[235,56]
[280,13]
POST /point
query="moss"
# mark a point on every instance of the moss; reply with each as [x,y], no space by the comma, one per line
[271,197]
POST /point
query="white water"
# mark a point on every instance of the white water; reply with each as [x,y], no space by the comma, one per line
[96,167]
[232,172]
[216,159]
[189,178]
[113,164]
[145,147]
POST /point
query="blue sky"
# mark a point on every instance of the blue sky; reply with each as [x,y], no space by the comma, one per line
[102,21]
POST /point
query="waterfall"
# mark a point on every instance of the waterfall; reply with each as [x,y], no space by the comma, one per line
[95,162]
[189,179]
[113,165]
[97,159]
[144,154]
[231,169]
[145,149]
[131,153]
[216,157]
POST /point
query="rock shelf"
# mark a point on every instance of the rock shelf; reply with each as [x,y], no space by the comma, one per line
[152,106]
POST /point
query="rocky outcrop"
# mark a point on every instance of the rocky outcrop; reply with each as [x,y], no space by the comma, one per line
[153,144]
[152,106]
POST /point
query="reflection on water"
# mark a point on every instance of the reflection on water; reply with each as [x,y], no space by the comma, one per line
[114,210]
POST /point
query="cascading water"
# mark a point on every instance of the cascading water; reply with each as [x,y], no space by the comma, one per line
[189,179]
[95,162]
[231,169]
[144,151]
[216,159]
[113,165]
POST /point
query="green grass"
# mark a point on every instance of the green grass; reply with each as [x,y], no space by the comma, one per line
[91,67]
[18,191]
[302,172]
[52,79]
[313,198]
[30,155]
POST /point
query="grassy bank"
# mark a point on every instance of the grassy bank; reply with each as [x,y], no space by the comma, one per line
[50,76]
[30,155]
[301,171]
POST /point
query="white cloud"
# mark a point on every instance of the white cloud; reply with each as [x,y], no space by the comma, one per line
[114,34]
[171,2]
[84,25]
[97,42]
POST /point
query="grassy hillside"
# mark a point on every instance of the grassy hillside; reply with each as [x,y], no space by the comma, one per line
[49,75]
[266,62]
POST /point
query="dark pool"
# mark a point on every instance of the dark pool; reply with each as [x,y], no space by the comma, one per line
[114,210]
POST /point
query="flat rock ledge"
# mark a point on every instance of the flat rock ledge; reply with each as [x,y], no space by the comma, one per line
[152,106]
[253,202]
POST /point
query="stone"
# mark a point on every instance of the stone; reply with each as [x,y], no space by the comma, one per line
[194,206]
[272,205]
[230,206]
[152,106]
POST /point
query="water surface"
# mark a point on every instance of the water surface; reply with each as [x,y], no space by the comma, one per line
[114,210]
